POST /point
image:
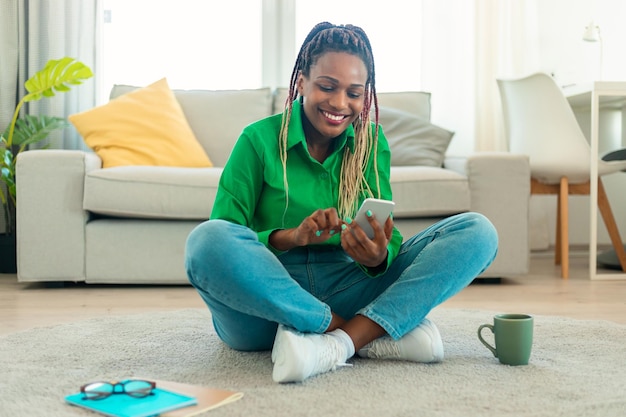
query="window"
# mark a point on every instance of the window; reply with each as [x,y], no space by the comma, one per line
[195,44]
[214,45]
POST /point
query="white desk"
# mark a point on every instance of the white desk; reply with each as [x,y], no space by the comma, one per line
[598,95]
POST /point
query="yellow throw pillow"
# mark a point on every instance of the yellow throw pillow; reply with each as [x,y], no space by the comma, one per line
[144,127]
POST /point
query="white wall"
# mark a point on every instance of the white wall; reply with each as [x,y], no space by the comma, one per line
[571,60]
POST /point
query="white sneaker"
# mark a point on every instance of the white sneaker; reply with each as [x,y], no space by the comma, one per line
[422,344]
[298,356]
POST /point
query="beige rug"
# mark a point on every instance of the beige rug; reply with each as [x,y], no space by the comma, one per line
[578,368]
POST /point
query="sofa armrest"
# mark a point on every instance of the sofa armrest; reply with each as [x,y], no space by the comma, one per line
[50,217]
[500,189]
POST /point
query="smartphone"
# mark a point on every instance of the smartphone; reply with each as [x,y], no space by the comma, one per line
[380,208]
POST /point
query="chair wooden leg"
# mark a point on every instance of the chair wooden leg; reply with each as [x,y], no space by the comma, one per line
[563,225]
[611,226]
[557,243]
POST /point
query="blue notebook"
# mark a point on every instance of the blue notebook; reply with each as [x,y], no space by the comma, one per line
[120,405]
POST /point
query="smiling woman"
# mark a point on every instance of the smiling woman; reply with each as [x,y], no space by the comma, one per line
[310,284]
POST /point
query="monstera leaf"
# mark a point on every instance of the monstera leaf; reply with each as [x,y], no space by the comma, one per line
[57,76]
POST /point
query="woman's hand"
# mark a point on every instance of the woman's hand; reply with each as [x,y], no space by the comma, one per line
[316,228]
[368,252]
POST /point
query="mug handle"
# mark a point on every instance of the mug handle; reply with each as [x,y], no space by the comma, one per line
[483,341]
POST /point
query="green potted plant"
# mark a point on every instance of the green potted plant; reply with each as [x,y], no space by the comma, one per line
[57,76]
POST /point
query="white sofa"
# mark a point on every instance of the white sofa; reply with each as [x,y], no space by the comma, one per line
[79,222]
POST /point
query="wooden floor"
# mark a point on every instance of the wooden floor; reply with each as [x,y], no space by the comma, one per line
[542,292]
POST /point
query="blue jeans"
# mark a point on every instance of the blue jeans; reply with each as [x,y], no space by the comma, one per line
[249,290]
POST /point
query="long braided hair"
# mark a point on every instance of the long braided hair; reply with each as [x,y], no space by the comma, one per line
[326,37]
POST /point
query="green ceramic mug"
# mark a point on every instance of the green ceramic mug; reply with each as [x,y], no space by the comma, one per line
[513,334]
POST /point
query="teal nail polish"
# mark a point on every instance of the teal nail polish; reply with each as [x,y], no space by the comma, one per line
[318,233]
[348,220]
[332,232]
[344,227]
[369,213]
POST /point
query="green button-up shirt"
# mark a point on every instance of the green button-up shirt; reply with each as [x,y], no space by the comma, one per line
[252,191]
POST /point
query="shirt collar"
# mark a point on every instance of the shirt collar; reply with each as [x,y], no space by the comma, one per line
[296,131]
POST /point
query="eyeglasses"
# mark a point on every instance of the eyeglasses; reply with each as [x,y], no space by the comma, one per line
[134,387]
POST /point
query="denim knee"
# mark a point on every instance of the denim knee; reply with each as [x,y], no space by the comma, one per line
[205,242]
[482,233]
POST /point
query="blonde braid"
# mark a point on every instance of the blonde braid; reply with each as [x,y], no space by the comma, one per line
[282,146]
[353,183]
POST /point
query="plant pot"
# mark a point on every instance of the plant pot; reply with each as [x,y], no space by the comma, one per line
[8,254]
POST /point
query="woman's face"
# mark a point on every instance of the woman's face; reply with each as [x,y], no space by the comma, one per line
[333,94]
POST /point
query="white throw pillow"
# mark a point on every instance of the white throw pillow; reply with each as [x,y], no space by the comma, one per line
[412,140]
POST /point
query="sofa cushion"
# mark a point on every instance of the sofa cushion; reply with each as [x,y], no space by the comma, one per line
[144,127]
[412,140]
[152,192]
[188,193]
[217,117]
[428,191]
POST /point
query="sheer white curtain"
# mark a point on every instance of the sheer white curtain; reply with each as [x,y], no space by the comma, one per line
[508,35]
[448,67]
[9,10]
[34,32]
[8,70]
[467,44]
[507,39]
